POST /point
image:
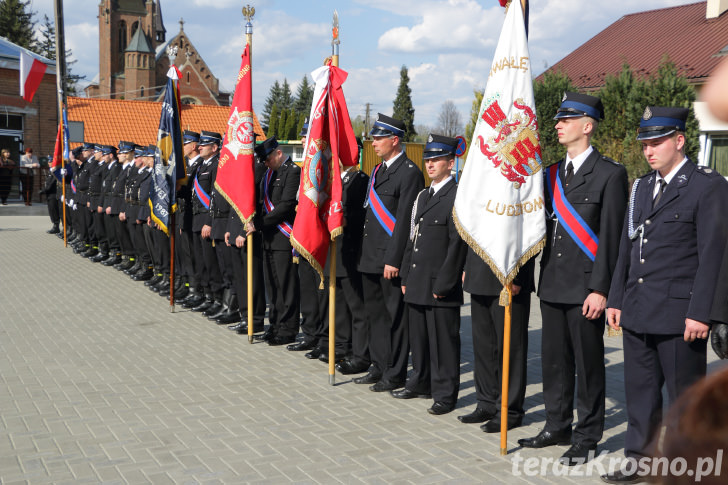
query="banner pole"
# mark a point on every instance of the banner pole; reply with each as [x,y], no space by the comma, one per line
[505,373]
[248,12]
[332,249]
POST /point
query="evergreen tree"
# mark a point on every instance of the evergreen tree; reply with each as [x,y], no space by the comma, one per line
[304,97]
[548,95]
[281,132]
[299,125]
[285,102]
[403,109]
[291,124]
[474,114]
[16,22]
[273,98]
[273,122]
[46,47]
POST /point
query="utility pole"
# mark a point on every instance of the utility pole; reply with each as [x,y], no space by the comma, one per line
[366,118]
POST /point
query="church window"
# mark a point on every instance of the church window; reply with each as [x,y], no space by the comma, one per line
[122,43]
[141,92]
[188,77]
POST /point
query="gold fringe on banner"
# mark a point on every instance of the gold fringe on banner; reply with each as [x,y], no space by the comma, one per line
[234,206]
[505,280]
[303,252]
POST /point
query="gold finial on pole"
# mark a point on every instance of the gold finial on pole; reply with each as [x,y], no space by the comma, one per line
[248,13]
[335,40]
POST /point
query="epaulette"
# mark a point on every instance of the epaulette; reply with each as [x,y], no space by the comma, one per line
[707,171]
[610,160]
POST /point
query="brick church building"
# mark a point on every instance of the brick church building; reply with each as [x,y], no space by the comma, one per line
[133,60]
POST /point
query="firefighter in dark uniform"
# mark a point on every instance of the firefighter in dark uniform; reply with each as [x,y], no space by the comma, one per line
[130,209]
[431,274]
[83,184]
[487,321]
[139,196]
[74,204]
[100,249]
[274,218]
[207,271]
[393,186]
[111,174]
[664,283]
[118,205]
[184,240]
[585,197]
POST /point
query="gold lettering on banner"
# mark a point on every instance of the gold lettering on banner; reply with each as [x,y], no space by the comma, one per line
[510,63]
[514,210]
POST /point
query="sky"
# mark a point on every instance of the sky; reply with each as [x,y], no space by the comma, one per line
[447,45]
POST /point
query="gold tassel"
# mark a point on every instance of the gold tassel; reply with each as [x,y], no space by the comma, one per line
[614,333]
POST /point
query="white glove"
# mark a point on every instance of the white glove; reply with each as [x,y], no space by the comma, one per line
[63,172]
[61,199]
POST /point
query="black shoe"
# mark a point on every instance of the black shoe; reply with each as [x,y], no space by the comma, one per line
[578,454]
[407,394]
[546,438]
[228,318]
[305,344]
[89,253]
[54,230]
[494,425]
[193,300]
[100,257]
[203,306]
[370,378]
[281,340]
[479,415]
[213,309]
[620,477]
[112,260]
[154,281]
[267,335]
[315,353]
[384,386]
[346,366]
[324,357]
[440,408]
[242,328]
[181,294]
[144,276]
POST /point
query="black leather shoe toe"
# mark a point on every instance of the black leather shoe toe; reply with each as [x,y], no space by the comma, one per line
[348,367]
[494,425]
[440,408]
[405,393]
[370,378]
[578,454]
[315,353]
[384,386]
[281,340]
[620,477]
[479,415]
[546,438]
[305,344]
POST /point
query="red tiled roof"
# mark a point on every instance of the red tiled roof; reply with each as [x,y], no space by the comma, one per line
[641,40]
[106,121]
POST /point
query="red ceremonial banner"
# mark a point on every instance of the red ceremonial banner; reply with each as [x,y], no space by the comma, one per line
[235,173]
[330,140]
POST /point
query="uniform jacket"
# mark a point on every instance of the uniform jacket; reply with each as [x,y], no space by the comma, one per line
[480,279]
[118,189]
[234,225]
[97,169]
[205,173]
[434,257]
[598,192]
[397,188]
[81,176]
[353,193]
[283,190]
[143,190]
[184,196]
[111,174]
[219,213]
[675,275]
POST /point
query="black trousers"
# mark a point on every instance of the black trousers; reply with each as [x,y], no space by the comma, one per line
[282,286]
[183,253]
[571,344]
[99,231]
[110,227]
[487,325]
[122,231]
[224,258]
[53,209]
[208,271]
[140,245]
[240,281]
[651,361]
[388,344]
[352,330]
[161,246]
[314,302]
[151,250]
[434,334]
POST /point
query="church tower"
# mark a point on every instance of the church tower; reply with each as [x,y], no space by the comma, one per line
[119,22]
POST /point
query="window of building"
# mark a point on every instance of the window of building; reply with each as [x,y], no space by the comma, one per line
[134,28]
[122,44]
[188,77]
[718,153]
[141,92]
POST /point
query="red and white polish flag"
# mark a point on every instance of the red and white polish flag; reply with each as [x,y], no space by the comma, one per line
[31,74]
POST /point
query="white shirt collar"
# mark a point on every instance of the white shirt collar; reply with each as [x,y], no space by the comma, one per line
[435,187]
[672,173]
[389,162]
[578,160]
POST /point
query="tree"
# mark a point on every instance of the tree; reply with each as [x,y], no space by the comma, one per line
[301,120]
[16,22]
[548,95]
[423,132]
[273,98]
[474,114]
[449,120]
[46,46]
[273,122]
[281,132]
[359,125]
[291,124]
[304,97]
[403,109]
[286,101]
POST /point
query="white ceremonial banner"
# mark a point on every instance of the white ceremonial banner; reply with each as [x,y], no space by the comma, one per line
[499,207]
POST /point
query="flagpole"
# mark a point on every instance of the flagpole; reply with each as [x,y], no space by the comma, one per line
[332,249]
[248,12]
[60,72]
[172,229]
[507,336]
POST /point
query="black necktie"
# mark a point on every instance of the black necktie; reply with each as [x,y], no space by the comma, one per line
[430,193]
[569,173]
[660,191]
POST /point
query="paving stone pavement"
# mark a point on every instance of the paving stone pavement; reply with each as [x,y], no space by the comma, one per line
[100,383]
